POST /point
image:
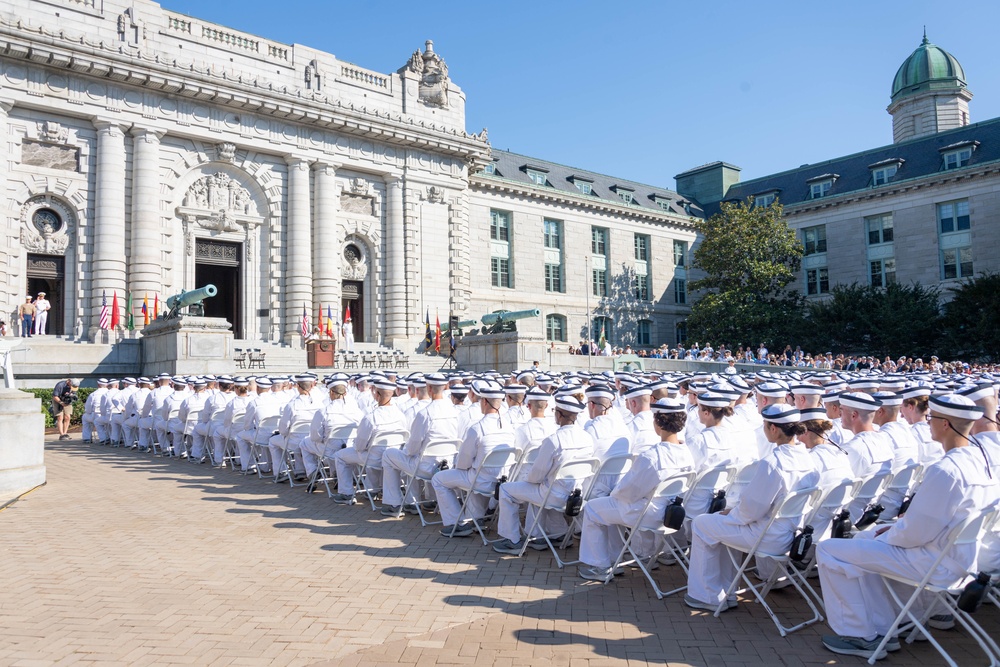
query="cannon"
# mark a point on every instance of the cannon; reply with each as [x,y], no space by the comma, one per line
[191,300]
[462,324]
[506,320]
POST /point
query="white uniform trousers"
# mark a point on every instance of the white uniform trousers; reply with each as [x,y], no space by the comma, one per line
[218,436]
[103,425]
[711,570]
[175,429]
[857,602]
[600,541]
[129,426]
[277,446]
[349,461]
[396,464]
[244,442]
[116,421]
[88,426]
[449,506]
[512,495]
[162,434]
[198,436]
[311,455]
[145,427]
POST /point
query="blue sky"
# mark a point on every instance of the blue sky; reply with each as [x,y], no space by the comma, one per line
[647,89]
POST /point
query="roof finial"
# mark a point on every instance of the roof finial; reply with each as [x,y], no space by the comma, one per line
[925,36]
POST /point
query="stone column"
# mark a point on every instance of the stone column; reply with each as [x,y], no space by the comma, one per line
[327,255]
[108,259]
[298,256]
[395,264]
[7,284]
[145,260]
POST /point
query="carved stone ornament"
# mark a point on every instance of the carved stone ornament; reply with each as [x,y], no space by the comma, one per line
[52,132]
[355,265]
[189,243]
[435,195]
[218,202]
[433,73]
[45,226]
[225,151]
[359,186]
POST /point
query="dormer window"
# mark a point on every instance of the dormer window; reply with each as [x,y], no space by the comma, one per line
[662,202]
[957,155]
[820,186]
[626,194]
[490,169]
[584,185]
[882,175]
[538,177]
[765,199]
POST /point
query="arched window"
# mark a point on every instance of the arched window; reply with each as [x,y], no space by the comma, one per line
[555,328]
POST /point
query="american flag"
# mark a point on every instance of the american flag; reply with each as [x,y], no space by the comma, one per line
[105,321]
[305,322]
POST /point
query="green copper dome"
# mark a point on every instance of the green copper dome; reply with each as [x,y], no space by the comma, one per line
[928,68]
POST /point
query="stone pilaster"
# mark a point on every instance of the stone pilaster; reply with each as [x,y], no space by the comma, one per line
[298,255]
[395,263]
[326,243]
[108,276]
[145,260]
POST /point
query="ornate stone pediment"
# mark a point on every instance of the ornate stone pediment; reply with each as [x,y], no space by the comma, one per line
[45,226]
[435,194]
[433,71]
[359,197]
[355,266]
[218,202]
[52,132]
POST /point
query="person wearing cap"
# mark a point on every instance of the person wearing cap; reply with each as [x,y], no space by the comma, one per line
[167,418]
[914,411]
[210,419]
[437,422]
[869,451]
[119,415]
[831,403]
[420,399]
[151,410]
[133,406]
[182,426]
[458,394]
[262,407]
[905,448]
[404,395]
[26,316]
[473,412]
[92,409]
[293,427]
[859,609]
[985,430]
[328,421]
[63,397]
[109,406]
[786,469]
[384,417]
[641,431]
[225,429]
[566,444]
[539,426]
[42,307]
[517,411]
[482,437]
[611,436]
[600,539]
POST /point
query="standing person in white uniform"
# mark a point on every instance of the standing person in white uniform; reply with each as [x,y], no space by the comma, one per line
[787,469]
[600,541]
[347,335]
[567,444]
[42,307]
[858,607]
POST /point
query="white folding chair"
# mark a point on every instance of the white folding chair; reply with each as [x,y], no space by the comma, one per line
[899,486]
[524,461]
[711,480]
[501,459]
[326,471]
[831,501]
[266,427]
[373,461]
[438,450]
[739,481]
[794,506]
[664,493]
[580,471]
[612,469]
[298,430]
[871,488]
[964,533]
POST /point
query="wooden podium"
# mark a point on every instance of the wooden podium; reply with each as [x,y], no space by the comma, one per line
[321,353]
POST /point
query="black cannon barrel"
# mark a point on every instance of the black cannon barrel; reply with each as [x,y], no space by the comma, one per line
[185,299]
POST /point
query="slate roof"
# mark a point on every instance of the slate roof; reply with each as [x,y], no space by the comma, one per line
[513,167]
[922,157]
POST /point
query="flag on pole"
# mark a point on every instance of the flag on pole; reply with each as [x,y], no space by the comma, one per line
[305,321]
[130,318]
[156,306]
[319,318]
[602,341]
[428,338]
[329,321]
[437,332]
[145,310]
[115,314]
[347,313]
[105,321]
[451,334]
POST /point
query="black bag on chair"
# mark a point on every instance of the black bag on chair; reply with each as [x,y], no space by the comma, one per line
[673,515]
[574,503]
[718,502]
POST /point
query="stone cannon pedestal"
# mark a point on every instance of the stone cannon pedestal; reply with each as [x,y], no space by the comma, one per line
[187,345]
[503,352]
[22,444]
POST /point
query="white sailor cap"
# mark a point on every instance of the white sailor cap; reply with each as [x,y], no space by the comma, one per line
[739,384]
[806,389]
[488,389]
[436,379]
[781,414]
[637,391]
[459,390]
[771,390]
[599,391]
[241,382]
[914,392]
[953,405]
[384,384]
[569,403]
[525,375]
[864,383]
[263,381]
[129,381]
[667,405]
[515,389]
[812,414]
[978,391]
[145,380]
[226,379]
[179,380]
[712,400]
[888,398]
[535,394]
[857,400]
[200,382]
[305,377]
[832,397]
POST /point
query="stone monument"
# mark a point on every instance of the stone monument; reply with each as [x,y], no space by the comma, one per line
[22,445]
[187,344]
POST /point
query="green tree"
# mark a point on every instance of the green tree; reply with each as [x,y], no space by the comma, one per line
[898,320]
[971,323]
[749,257]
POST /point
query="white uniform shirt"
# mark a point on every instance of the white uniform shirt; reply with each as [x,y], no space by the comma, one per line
[438,420]
[870,452]
[905,448]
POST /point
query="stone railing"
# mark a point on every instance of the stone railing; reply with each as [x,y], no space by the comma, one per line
[279,52]
[230,38]
[179,24]
[365,78]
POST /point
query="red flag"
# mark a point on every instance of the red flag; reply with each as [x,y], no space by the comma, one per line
[114,312]
[156,306]
[319,318]
[347,313]
[437,333]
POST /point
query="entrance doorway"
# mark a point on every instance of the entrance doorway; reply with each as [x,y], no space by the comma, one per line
[45,274]
[218,263]
[353,296]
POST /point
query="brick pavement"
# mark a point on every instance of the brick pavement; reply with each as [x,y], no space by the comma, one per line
[125,559]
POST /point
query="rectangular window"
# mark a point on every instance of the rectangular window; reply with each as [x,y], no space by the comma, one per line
[500,271]
[553,278]
[583,186]
[817,281]
[600,280]
[681,332]
[882,175]
[879,228]
[953,216]
[814,239]
[664,204]
[643,336]
[490,169]
[680,253]
[640,287]
[883,272]
[598,240]
[680,290]
[763,201]
[538,177]
[957,263]
[956,159]
[625,196]
[555,328]
[821,189]
[553,234]
[499,225]
[641,247]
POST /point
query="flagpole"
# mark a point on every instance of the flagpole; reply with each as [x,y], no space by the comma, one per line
[590,326]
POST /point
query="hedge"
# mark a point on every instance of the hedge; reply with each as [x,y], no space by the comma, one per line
[46,396]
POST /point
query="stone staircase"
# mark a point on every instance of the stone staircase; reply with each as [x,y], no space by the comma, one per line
[288,360]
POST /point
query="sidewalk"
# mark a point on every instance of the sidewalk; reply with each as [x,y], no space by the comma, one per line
[127,559]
